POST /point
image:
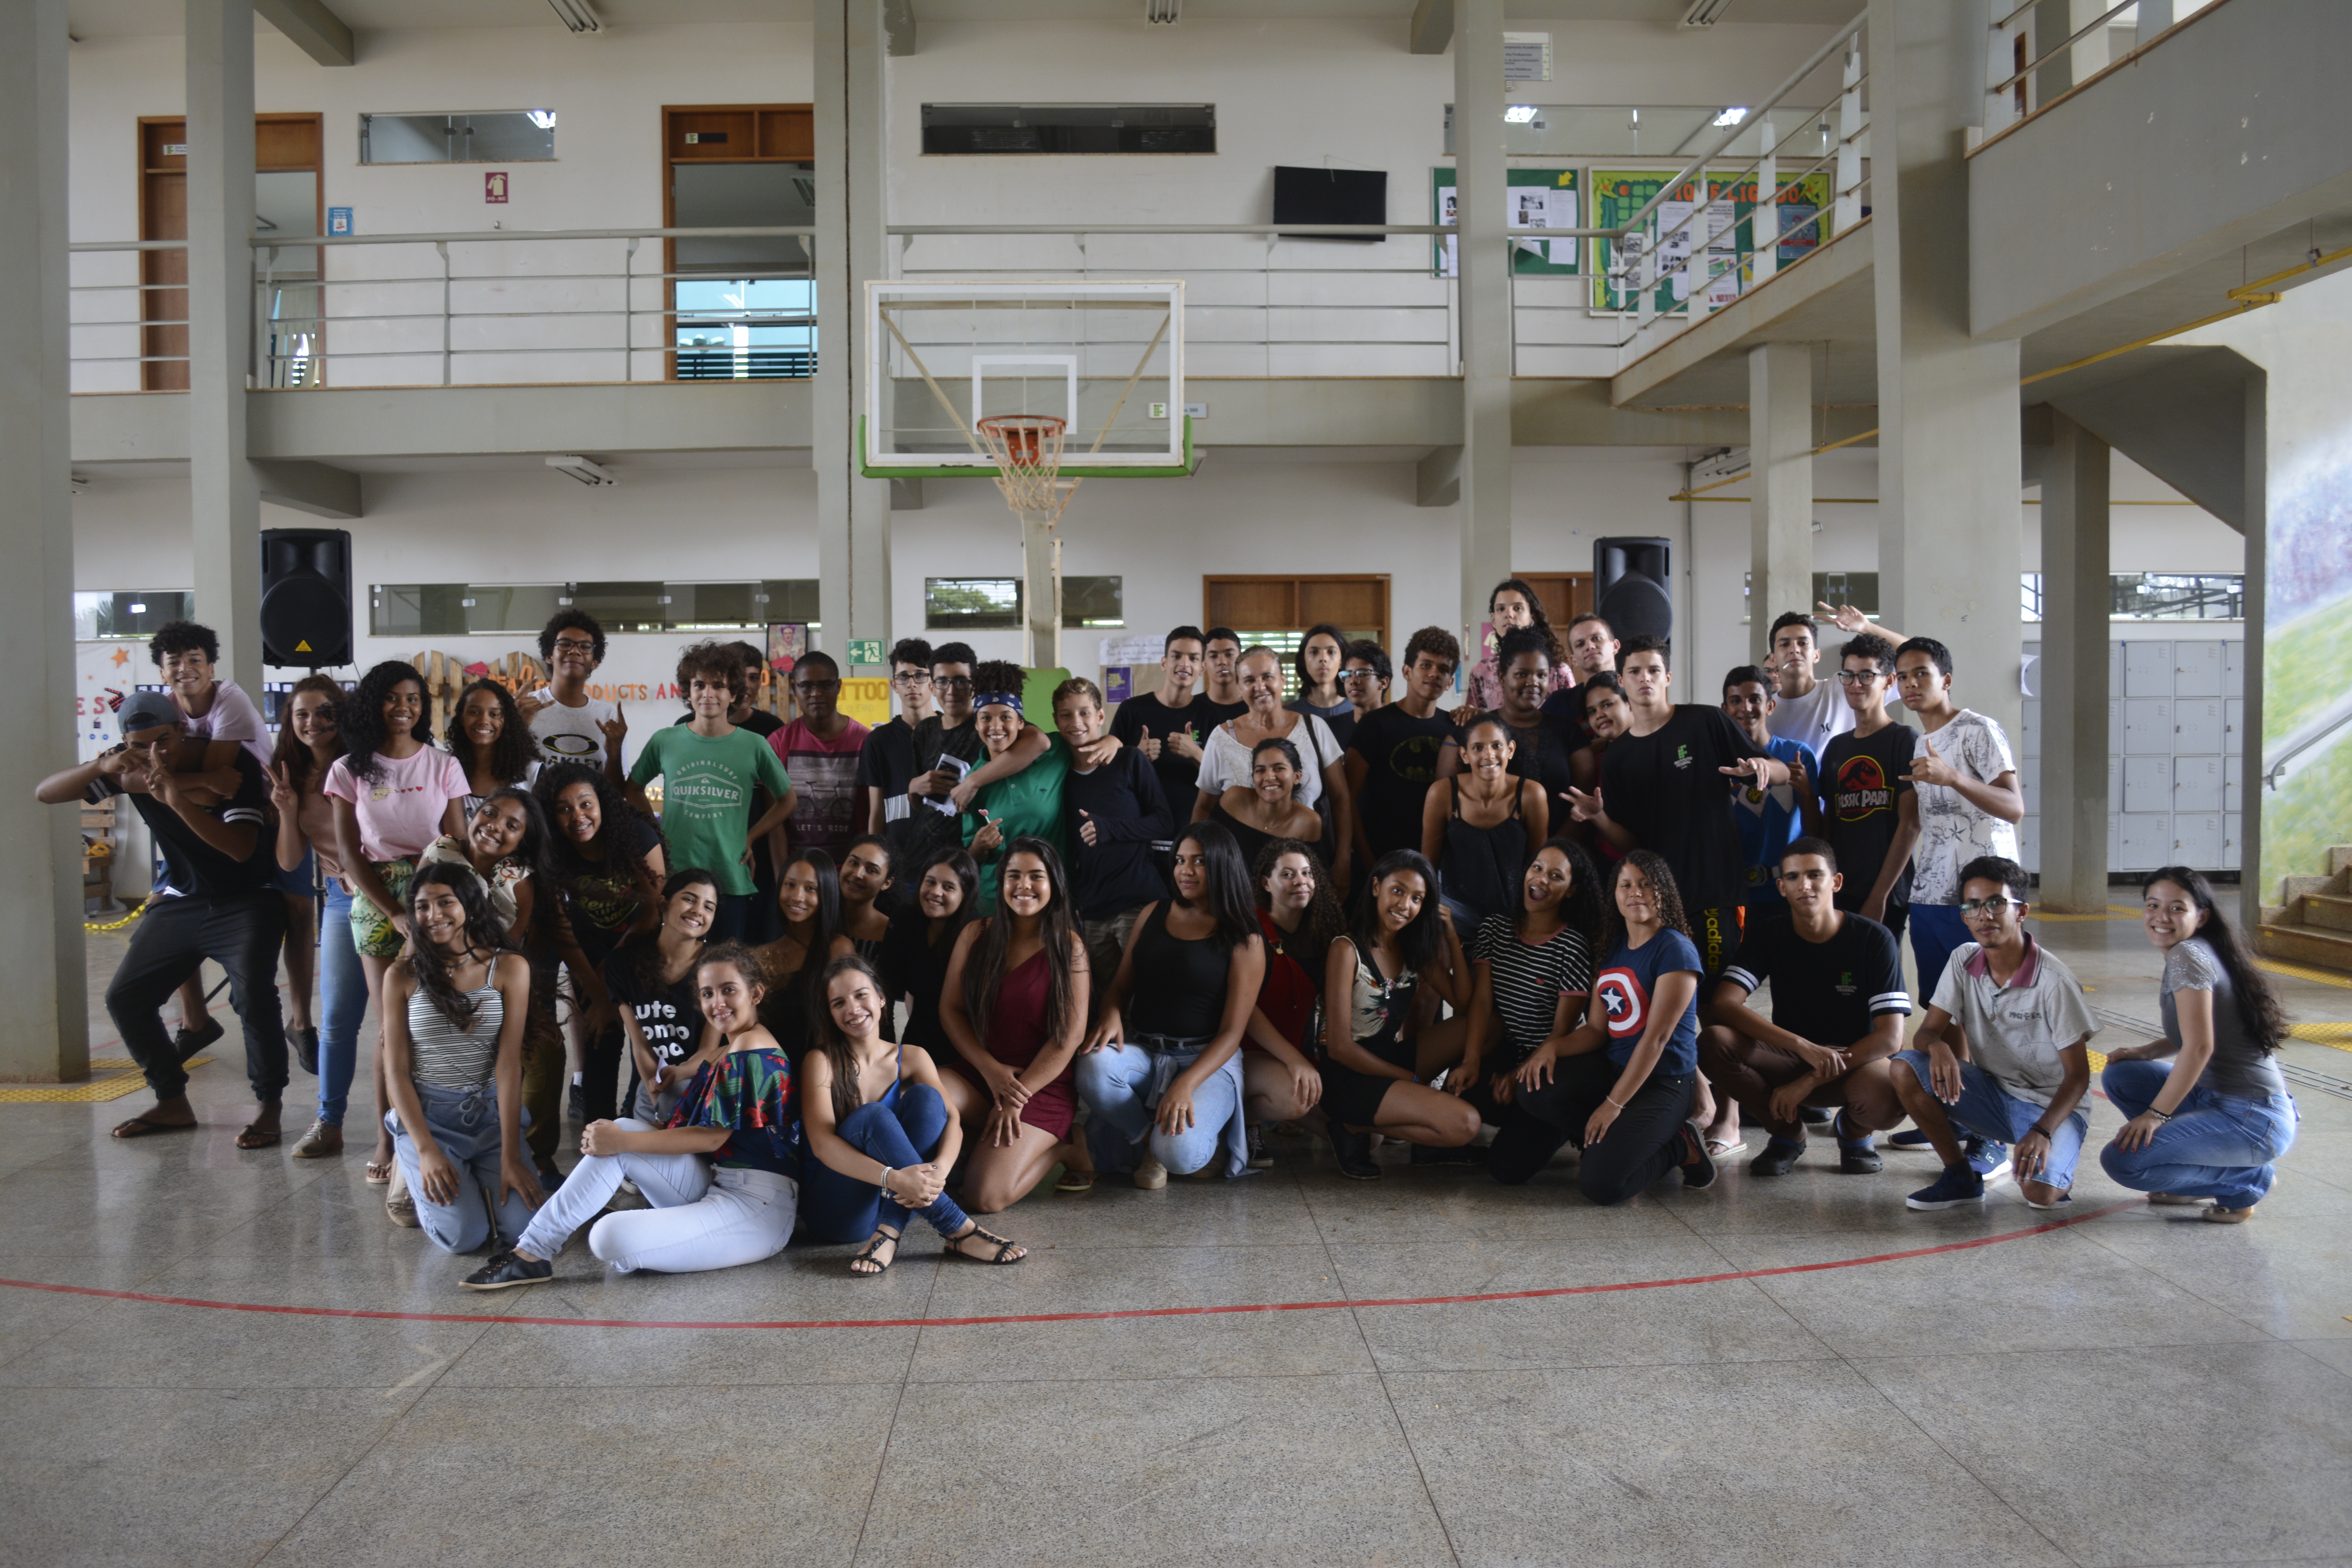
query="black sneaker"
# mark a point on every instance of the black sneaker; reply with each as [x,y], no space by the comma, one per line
[1355,1154]
[1698,1165]
[1780,1157]
[187,1042]
[306,1048]
[506,1269]
[1465,1154]
[1259,1160]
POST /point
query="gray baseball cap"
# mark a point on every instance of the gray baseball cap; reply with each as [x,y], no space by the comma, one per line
[147,710]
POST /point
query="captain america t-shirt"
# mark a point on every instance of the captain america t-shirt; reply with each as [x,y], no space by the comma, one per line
[1626,983]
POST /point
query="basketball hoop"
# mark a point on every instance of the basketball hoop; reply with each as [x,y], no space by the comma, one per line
[1028,452]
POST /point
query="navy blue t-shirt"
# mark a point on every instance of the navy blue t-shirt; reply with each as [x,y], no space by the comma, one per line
[1625,983]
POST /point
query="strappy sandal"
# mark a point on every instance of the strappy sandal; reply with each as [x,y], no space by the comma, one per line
[1071,1180]
[955,1244]
[379,1172]
[874,1244]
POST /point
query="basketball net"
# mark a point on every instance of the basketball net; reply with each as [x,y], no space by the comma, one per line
[1028,452]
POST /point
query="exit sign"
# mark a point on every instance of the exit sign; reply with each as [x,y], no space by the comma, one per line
[865,650]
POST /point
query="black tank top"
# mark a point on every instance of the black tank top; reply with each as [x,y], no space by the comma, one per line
[1180,986]
[1484,864]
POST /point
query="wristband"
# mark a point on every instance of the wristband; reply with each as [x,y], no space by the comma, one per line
[2159,1115]
[888,1171]
[1618,1103]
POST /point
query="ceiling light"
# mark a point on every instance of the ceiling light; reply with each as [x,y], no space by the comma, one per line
[1732,116]
[1704,13]
[543,118]
[1519,114]
[137,609]
[577,15]
[581,468]
[1162,13]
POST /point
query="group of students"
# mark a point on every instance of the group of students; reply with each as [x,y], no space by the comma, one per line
[1135,948]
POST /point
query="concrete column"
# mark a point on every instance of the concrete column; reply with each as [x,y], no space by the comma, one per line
[1781,502]
[43,1032]
[2072,678]
[1949,449]
[224,493]
[1484,286]
[853,511]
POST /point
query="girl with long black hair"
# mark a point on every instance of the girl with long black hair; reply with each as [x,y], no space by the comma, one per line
[808,898]
[1298,916]
[1381,981]
[453,1023]
[1513,605]
[884,1139]
[922,943]
[492,741]
[2213,1124]
[607,863]
[1161,1075]
[656,999]
[1535,974]
[310,739]
[1013,1008]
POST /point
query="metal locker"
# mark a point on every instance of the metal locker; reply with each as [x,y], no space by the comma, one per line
[2116,841]
[2233,841]
[2233,726]
[2029,843]
[2196,669]
[2197,785]
[2197,840]
[2233,786]
[2234,669]
[2032,726]
[2114,787]
[2115,724]
[2147,669]
[2029,785]
[2115,669]
[2145,841]
[2147,783]
[2198,726]
[2148,725]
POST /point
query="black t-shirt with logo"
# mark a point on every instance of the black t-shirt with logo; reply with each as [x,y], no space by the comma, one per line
[669,1016]
[1825,992]
[1863,786]
[1667,789]
[1401,753]
[1145,716]
[197,870]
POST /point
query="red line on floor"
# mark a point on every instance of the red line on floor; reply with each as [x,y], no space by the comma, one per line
[1079,1317]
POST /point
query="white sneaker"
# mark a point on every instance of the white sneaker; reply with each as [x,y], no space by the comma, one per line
[1152,1175]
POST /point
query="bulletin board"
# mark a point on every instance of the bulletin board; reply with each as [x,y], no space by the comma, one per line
[1540,199]
[1618,194]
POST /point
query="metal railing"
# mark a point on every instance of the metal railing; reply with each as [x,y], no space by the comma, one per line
[2030,63]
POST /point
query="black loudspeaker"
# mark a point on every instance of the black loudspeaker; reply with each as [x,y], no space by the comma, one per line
[1633,588]
[306,598]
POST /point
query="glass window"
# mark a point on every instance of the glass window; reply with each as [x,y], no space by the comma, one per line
[462,609]
[985,604]
[746,329]
[989,128]
[107,617]
[512,136]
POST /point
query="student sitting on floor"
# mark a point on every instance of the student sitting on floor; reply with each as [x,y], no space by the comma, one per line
[723,1177]
[2019,1015]
[883,1136]
[2215,1123]
[1838,1006]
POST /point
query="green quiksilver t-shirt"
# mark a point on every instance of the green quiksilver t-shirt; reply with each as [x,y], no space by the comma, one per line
[707,797]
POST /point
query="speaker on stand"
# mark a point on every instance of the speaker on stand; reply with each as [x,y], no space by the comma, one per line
[306,598]
[1633,586]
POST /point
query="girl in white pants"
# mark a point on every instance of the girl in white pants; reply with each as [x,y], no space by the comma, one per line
[723,1177]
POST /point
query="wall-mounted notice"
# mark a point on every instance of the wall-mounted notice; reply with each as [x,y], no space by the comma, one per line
[494,189]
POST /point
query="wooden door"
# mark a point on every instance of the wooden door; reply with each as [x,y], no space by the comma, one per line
[1273,603]
[721,133]
[281,141]
[1565,595]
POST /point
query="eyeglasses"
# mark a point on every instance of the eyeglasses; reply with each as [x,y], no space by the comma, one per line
[952,682]
[1361,675]
[909,678]
[1860,677]
[575,644]
[816,686]
[1992,908]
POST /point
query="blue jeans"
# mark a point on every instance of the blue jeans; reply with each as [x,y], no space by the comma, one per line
[1122,1086]
[2216,1146]
[837,1207]
[342,1003]
[1990,1111]
[1936,931]
[464,1124]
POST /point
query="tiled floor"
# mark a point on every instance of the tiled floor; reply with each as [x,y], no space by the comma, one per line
[2136,1388]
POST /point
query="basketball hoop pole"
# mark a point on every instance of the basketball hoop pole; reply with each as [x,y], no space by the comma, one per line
[1041,553]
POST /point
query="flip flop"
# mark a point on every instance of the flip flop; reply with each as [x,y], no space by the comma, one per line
[1724,1148]
[139,1127]
[251,1138]
[1075,1180]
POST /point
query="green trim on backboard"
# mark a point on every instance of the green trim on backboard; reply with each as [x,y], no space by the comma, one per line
[1069,471]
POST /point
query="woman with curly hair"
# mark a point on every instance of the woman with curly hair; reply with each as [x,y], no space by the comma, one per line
[1621,1084]
[492,741]
[607,865]
[1298,917]
[394,793]
[1511,608]
[1535,974]
[453,1027]
[310,739]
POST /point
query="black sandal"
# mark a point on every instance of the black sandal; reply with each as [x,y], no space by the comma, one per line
[955,1244]
[866,1255]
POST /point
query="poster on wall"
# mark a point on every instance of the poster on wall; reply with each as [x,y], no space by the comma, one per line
[1539,198]
[787,640]
[1696,250]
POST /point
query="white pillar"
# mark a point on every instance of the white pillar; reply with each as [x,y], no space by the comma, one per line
[225,494]
[1484,279]
[853,511]
[44,1037]
[2072,788]
[1780,498]
[1948,450]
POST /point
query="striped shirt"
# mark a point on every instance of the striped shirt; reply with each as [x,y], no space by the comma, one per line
[442,1054]
[1530,978]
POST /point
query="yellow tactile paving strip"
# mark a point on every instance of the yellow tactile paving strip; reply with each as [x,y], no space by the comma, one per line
[117,1075]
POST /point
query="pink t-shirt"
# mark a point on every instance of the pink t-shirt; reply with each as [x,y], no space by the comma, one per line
[825,784]
[400,813]
[232,717]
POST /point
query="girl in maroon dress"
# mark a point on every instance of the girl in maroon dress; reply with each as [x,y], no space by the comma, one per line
[1014,1009]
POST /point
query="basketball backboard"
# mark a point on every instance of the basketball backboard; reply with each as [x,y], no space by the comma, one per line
[1108,357]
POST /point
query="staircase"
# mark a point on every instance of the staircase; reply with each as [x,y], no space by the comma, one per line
[2314,925]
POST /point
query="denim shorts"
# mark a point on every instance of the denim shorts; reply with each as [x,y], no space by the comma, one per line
[1990,1111]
